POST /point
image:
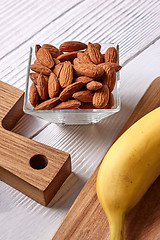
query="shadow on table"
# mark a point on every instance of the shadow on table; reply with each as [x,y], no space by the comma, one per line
[68,192]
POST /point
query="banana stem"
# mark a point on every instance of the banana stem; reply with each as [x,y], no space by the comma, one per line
[117,226]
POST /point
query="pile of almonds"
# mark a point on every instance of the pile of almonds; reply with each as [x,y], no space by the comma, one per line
[73,76]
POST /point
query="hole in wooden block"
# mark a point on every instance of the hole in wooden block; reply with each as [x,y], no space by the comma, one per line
[38,161]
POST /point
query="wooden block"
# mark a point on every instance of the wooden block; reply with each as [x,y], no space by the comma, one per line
[33,168]
[86,219]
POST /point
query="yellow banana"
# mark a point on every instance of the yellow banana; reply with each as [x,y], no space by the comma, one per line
[128,169]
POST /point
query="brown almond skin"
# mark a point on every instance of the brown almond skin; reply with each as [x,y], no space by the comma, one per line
[48,104]
[89,70]
[110,103]
[95,44]
[66,74]
[36,62]
[46,78]
[67,93]
[83,79]
[84,58]
[33,95]
[39,68]
[115,66]
[83,96]
[111,55]
[86,105]
[94,54]
[45,58]
[94,85]
[77,61]
[33,77]
[101,97]
[42,87]
[71,104]
[37,47]
[56,61]
[76,74]
[55,52]
[70,46]
[70,56]
[53,85]
[109,78]
[57,69]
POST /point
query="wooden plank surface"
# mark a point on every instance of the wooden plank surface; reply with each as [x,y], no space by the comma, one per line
[86,219]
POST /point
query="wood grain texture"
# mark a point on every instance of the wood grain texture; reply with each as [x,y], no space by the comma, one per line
[32,178]
[87,220]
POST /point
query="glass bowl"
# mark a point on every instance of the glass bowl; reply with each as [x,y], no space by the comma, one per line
[73,116]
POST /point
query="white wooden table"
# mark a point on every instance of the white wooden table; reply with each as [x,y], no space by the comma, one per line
[135,25]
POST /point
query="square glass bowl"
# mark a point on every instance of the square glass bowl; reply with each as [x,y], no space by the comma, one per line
[73,116]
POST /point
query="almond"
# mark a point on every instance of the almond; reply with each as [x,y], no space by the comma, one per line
[70,56]
[84,58]
[48,104]
[71,104]
[70,46]
[89,70]
[33,77]
[109,78]
[93,85]
[45,58]
[53,85]
[33,95]
[69,90]
[95,44]
[76,74]
[101,97]
[46,78]
[56,61]
[36,61]
[55,52]
[115,66]
[83,79]
[77,61]
[37,47]
[111,55]
[39,68]
[86,105]
[83,96]
[66,75]
[42,87]
[57,69]
[110,103]
[94,54]
[39,101]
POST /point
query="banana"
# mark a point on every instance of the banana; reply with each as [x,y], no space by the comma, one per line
[128,169]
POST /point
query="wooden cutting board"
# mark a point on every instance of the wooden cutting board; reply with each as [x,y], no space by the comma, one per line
[86,218]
